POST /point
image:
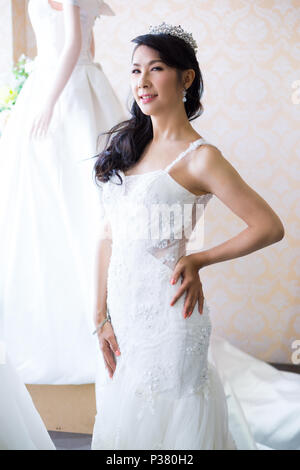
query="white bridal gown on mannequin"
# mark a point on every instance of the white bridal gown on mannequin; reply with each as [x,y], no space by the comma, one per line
[176,386]
[21,427]
[48,208]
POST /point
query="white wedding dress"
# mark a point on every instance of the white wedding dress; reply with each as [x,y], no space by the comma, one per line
[21,427]
[49,221]
[164,394]
[176,385]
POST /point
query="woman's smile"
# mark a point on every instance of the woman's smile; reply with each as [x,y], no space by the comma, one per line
[147,98]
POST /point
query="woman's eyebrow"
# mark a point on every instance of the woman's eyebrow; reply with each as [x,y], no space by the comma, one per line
[151,62]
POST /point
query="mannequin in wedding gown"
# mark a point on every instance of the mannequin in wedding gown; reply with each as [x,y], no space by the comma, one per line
[49,200]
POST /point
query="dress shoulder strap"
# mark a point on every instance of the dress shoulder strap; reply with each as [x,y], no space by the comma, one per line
[191,147]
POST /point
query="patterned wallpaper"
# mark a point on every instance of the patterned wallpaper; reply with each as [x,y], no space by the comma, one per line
[249,55]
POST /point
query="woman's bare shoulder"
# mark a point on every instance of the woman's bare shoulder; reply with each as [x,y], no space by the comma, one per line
[217,175]
[207,156]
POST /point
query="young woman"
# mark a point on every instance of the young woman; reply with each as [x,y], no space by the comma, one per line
[48,197]
[160,391]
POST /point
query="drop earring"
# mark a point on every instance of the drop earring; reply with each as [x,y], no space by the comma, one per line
[184,95]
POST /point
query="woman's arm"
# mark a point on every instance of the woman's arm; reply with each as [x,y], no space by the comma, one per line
[106,336]
[67,61]
[218,176]
[102,263]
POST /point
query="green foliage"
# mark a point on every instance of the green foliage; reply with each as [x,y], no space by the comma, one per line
[10,93]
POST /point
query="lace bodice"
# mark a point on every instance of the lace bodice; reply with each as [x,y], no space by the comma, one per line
[48,25]
[160,213]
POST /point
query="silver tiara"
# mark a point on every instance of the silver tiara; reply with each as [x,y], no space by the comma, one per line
[164,28]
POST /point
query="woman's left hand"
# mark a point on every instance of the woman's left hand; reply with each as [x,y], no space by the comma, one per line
[41,122]
[191,283]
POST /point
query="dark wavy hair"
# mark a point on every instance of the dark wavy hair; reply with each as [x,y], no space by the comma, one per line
[127,140]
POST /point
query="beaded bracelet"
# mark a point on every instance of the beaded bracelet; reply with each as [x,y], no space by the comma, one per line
[102,323]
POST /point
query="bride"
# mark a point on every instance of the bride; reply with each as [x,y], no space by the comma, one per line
[169,383]
[48,199]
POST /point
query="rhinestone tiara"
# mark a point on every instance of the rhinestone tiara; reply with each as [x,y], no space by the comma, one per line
[165,28]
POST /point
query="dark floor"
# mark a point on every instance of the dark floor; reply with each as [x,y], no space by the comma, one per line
[287,367]
[70,440]
[75,441]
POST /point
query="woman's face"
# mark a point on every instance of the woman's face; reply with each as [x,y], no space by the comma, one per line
[154,84]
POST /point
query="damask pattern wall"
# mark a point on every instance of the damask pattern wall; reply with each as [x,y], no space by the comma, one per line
[249,55]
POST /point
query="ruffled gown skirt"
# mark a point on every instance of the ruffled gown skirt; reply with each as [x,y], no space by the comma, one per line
[195,422]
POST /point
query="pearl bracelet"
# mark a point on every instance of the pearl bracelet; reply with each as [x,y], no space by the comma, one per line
[102,323]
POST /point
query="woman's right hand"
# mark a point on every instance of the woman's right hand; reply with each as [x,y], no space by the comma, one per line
[41,122]
[109,347]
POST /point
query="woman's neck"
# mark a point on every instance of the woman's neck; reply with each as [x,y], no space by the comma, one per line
[172,128]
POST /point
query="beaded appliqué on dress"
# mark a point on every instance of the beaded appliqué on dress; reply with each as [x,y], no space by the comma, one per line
[151,382]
